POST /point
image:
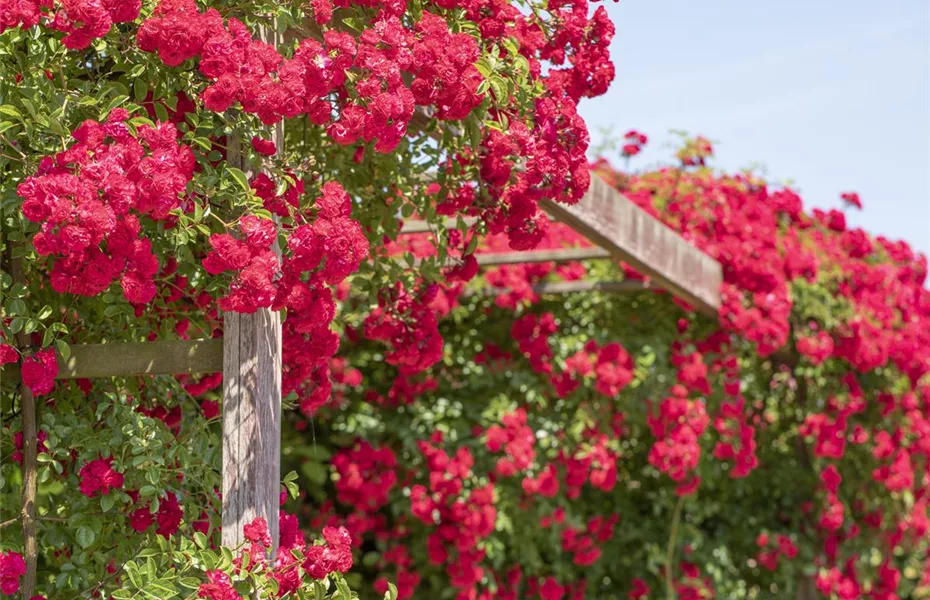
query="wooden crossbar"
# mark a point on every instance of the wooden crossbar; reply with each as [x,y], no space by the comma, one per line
[561,255]
[571,287]
[175,357]
[612,221]
[172,357]
[557,255]
[424,227]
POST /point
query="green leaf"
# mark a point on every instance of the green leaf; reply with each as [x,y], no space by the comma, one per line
[203,142]
[240,178]
[16,325]
[11,111]
[56,127]
[121,594]
[140,90]
[31,325]
[314,472]
[64,350]
[160,589]
[189,582]
[391,594]
[107,501]
[292,489]
[201,540]
[499,88]
[85,536]
[161,112]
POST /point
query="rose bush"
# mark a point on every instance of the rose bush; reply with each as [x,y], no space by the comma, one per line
[164,162]
[453,432]
[618,445]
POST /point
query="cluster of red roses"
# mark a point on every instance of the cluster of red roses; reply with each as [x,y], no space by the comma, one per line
[765,240]
[516,439]
[768,558]
[374,105]
[584,544]
[541,155]
[318,255]
[366,476]
[89,200]
[634,143]
[408,322]
[767,244]
[335,556]
[461,521]
[82,20]
[595,463]
[531,332]
[38,371]
[167,518]
[677,427]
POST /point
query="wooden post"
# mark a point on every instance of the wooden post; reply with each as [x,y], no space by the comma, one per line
[27,404]
[251,421]
[251,404]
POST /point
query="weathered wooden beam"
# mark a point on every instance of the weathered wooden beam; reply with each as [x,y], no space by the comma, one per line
[559,255]
[252,401]
[584,285]
[424,227]
[630,234]
[90,361]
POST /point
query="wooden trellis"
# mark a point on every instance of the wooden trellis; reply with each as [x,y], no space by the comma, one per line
[249,354]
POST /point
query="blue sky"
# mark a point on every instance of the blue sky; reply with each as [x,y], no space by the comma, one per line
[831,95]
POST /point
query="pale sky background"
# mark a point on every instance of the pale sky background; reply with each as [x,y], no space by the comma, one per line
[831,94]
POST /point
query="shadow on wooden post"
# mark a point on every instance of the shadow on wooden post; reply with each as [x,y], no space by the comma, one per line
[251,422]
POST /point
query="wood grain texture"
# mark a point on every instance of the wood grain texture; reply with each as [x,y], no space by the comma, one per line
[252,401]
[584,285]
[424,227]
[251,421]
[539,256]
[562,255]
[630,234]
[92,361]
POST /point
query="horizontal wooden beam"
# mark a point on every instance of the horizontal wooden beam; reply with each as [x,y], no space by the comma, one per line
[560,255]
[89,361]
[584,285]
[569,287]
[424,227]
[632,235]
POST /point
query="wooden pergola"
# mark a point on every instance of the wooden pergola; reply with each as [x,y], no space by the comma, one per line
[249,354]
